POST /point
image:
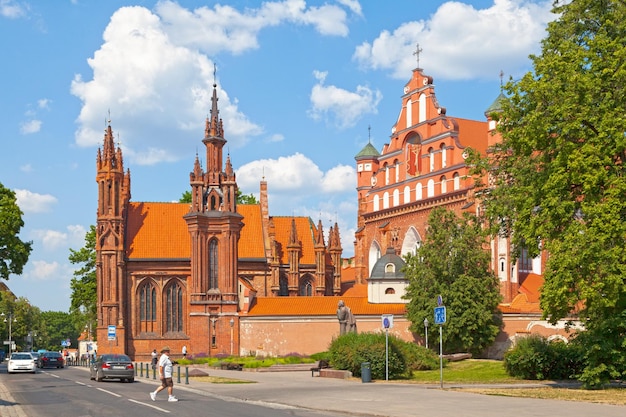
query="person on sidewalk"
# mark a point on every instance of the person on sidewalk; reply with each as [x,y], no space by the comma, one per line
[166,370]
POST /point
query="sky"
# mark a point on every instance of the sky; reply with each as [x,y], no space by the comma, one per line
[303,85]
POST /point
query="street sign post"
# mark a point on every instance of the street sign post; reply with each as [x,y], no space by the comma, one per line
[440,315]
[111,332]
[440,319]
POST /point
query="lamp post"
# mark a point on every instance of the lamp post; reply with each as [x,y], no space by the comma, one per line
[232,325]
[10,319]
[426,331]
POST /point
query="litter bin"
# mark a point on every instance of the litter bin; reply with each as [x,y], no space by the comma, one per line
[366,372]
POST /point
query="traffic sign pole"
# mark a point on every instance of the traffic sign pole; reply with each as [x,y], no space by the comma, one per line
[441,356]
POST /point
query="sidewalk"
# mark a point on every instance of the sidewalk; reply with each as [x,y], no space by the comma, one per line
[353,397]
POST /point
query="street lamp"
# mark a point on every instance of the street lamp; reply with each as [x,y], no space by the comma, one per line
[232,324]
[10,320]
[426,331]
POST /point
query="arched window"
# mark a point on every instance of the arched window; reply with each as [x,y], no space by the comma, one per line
[306,288]
[444,157]
[386,200]
[376,203]
[174,308]
[457,181]
[390,291]
[396,197]
[422,108]
[390,268]
[444,185]
[147,308]
[396,164]
[407,194]
[430,192]
[418,191]
[213,265]
[283,285]
[431,159]
[387,168]
[374,255]
[409,113]
[411,243]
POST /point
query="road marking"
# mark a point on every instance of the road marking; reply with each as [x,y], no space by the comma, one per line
[109,392]
[149,405]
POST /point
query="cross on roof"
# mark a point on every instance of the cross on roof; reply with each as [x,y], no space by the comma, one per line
[417,54]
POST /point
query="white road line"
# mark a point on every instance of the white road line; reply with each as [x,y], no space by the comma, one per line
[150,405]
[109,392]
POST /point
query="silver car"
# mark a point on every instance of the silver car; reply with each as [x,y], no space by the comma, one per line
[112,366]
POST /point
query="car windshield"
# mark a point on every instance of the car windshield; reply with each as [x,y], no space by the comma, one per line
[115,358]
[52,354]
[16,356]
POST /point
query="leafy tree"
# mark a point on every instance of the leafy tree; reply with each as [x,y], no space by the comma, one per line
[241,198]
[453,263]
[559,179]
[56,327]
[84,293]
[25,321]
[13,251]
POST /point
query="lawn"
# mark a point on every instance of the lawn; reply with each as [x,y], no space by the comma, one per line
[470,371]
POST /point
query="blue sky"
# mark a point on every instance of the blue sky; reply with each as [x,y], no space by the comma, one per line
[300,85]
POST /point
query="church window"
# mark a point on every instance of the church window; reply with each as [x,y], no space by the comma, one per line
[407,194]
[376,203]
[213,265]
[147,307]
[214,203]
[418,191]
[430,192]
[374,255]
[306,288]
[525,262]
[457,181]
[390,268]
[386,200]
[422,108]
[283,285]
[431,159]
[444,156]
[174,308]
[397,169]
[444,185]
[396,197]
[387,168]
[411,242]
[390,291]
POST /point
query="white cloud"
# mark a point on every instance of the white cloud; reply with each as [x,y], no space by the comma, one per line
[341,178]
[44,103]
[353,5]
[52,240]
[26,168]
[461,42]
[276,137]
[12,9]
[341,107]
[30,202]
[29,127]
[43,271]
[162,91]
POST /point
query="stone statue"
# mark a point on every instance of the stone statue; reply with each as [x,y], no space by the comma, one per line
[347,321]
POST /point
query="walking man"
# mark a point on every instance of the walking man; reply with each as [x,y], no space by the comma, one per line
[166,369]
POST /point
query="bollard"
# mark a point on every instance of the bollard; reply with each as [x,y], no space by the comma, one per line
[178,374]
[153,373]
[186,375]
[141,370]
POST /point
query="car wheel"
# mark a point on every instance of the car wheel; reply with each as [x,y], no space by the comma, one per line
[99,377]
[131,380]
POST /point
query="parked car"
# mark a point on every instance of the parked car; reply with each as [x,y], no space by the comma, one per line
[21,362]
[112,366]
[51,360]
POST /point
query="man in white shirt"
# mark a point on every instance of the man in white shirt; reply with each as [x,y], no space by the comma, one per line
[166,370]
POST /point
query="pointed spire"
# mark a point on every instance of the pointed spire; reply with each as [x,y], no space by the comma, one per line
[197,168]
[320,234]
[214,126]
[293,233]
[229,167]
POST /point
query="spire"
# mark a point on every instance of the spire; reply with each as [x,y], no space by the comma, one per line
[214,125]
[320,234]
[293,233]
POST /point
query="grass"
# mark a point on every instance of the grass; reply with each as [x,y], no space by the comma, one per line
[470,371]
[614,396]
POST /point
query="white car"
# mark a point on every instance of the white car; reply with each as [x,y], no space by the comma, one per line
[21,362]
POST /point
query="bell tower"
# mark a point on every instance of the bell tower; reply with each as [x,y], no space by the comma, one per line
[214,228]
[113,199]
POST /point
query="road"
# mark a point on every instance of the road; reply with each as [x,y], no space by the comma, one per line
[69,391]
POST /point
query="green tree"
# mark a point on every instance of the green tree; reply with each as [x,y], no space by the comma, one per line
[84,293]
[25,321]
[56,327]
[453,263]
[241,198]
[14,252]
[558,176]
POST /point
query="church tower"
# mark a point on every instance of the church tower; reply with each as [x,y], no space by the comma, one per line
[113,198]
[214,228]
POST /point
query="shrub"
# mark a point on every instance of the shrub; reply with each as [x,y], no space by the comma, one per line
[534,357]
[351,350]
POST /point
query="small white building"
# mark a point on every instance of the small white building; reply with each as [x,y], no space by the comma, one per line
[387,283]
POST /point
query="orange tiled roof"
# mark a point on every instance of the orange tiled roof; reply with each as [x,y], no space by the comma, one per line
[306,234]
[473,133]
[319,306]
[531,286]
[356,290]
[521,304]
[158,231]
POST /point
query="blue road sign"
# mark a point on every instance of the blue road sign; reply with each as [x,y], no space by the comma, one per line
[111,332]
[440,315]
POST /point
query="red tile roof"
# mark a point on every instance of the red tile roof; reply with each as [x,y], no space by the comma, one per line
[306,235]
[319,306]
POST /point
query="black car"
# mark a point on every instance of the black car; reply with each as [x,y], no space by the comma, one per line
[112,366]
[50,360]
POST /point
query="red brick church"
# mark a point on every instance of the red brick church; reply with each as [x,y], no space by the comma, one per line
[225,278]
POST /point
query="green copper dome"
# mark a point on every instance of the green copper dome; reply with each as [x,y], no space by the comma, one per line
[497,105]
[368,151]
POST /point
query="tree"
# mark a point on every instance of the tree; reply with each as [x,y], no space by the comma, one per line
[241,198]
[558,178]
[14,252]
[453,263]
[83,307]
[57,327]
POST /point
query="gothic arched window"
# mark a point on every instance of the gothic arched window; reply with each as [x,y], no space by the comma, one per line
[147,308]
[174,308]
[213,265]
[306,288]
